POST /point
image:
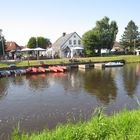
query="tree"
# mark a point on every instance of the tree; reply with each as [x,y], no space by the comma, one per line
[43,42]
[32,42]
[38,42]
[2,43]
[131,37]
[101,36]
[90,40]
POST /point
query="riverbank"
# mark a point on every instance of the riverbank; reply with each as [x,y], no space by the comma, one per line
[123,125]
[126,58]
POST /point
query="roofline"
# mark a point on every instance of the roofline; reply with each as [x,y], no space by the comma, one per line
[68,38]
[78,35]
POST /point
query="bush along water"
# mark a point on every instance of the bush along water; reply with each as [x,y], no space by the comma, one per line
[120,126]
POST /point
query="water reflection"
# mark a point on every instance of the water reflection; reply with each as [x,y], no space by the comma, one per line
[130,77]
[101,84]
[37,82]
[3,87]
[137,69]
[40,101]
[16,80]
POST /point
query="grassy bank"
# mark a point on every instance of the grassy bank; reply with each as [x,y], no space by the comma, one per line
[127,58]
[122,126]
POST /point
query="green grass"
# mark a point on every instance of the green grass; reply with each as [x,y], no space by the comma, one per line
[127,58]
[121,126]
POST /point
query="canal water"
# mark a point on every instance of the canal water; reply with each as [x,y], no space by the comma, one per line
[43,101]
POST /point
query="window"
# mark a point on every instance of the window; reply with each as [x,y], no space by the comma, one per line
[74,42]
[79,42]
[74,36]
[70,42]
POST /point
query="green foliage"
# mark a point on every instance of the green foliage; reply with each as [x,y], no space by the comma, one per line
[43,42]
[32,43]
[38,42]
[101,36]
[88,53]
[2,45]
[130,37]
[1,48]
[123,125]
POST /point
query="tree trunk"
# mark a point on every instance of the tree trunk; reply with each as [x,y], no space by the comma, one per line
[99,52]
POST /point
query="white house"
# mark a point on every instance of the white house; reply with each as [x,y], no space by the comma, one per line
[137,51]
[68,45]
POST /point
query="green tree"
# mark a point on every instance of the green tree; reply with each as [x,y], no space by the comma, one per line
[38,42]
[90,40]
[43,42]
[101,36]
[131,37]
[2,45]
[32,43]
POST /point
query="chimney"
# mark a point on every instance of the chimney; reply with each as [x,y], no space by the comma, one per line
[63,34]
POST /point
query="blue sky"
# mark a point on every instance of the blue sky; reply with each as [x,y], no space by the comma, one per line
[21,19]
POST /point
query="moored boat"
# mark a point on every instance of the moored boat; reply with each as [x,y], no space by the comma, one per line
[114,64]
[52,68]
[5,73]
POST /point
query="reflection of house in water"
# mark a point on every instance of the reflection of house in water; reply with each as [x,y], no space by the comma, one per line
[138,69]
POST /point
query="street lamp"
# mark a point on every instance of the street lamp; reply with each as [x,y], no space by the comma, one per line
[1,39]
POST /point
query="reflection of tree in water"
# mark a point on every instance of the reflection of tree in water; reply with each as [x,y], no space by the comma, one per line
[130,78]
[37,81]
[101,84]
[17,80]
[3,87]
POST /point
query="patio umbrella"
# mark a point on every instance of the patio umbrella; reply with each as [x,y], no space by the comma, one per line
[73,49]
[26,49]
[77,48]
[38,49]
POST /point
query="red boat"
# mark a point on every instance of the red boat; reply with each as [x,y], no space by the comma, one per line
[52,68]
[41,69]
[59,69]
[35,70]
[63,67]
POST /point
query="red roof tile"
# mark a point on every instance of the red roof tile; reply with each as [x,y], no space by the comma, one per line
[12,46]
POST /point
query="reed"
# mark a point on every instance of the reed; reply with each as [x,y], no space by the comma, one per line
[123,125]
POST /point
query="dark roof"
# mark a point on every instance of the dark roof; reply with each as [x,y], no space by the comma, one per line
[12,46]
[60,41]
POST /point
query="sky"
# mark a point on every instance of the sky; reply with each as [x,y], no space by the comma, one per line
[22,19]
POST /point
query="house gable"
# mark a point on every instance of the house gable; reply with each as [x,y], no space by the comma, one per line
[65,43]
[61,41]
[73,41]
[12,46]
